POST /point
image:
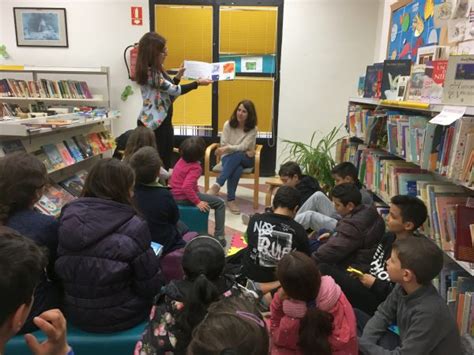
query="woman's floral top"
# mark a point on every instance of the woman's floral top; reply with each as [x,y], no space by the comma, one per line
[157,99]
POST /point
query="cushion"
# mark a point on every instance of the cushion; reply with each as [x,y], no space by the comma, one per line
[218,168]
[86,343]
[194,219]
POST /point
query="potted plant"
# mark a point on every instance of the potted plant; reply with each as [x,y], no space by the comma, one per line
[315,159]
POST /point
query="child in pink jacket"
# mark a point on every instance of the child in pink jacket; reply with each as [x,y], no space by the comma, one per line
[310,314]
[184,185]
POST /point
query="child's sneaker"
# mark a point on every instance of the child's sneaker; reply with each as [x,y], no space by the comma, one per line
[246,218]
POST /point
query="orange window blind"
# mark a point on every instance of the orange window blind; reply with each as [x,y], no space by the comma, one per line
[194,108]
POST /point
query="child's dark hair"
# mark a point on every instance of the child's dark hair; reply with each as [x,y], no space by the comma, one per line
[232,326]
[300,278]
[346,193]
[192,149]
[110,179]
[146,163]
[287,197]
[347,169]
[290,169]
[150,48]
[412,209]
[251,120]
[22,176]
[420,255]
[140,137]
[203,262]
[22,263]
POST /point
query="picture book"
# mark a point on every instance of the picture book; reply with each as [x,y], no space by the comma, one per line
[463,127]
[73,185]
[464,250]
[42,157]
[84,146]
[392,71]
[82,175]
[54,156]
[13,146]
[370,82]
[65,155]
[459,81]
[53,199]
[212,71]
[95,143]
[443,202]
[416,82]
[73,149]
[407,182]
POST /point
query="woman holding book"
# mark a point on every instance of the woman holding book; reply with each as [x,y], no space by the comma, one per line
[159,91]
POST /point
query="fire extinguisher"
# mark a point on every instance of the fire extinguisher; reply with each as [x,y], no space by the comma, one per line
[132,60]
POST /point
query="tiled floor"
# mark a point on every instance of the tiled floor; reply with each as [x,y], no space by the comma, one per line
[244,194]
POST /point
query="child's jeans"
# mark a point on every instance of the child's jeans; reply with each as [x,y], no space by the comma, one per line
[317,212]
[218,205]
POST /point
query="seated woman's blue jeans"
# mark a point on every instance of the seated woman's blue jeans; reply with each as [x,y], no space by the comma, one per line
[232,167]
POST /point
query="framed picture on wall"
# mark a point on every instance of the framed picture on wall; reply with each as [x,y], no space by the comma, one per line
[40,27]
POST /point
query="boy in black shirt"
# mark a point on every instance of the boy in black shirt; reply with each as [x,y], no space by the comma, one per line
[291,175]
[272,235]
[407,214]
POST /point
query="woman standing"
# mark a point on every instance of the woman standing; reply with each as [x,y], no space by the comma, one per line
[237,150]
[159,91]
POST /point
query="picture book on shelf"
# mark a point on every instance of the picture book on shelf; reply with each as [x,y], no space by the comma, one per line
[54,156]
[73,185]
[65,155]
[459,81]
[84,146]
[53,199]
[42,157]
[12,146]
[464,249]
[392,71]
[73,149]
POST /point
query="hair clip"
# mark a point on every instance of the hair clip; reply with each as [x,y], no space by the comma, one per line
[251,317]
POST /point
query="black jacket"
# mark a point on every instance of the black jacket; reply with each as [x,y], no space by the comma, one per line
[307,186]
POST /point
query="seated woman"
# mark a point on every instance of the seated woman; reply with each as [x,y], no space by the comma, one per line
[237,150]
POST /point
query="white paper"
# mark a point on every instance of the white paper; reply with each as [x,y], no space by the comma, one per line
[448,115]
[442,13]
[211,71]
[251,65]
[457,30]
[462,9]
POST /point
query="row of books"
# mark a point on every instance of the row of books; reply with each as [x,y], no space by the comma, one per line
[57,195]
[68,152]
[44,88]
[446,150]
[457,288]
[450,214]
[435,80]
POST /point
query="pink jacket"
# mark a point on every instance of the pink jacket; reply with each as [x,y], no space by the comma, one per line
[184,180]
[286,317]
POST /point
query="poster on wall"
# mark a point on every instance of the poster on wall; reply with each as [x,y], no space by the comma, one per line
[412,26]
[40,27]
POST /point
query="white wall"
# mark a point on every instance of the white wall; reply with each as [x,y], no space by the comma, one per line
[326,45]
[98,32]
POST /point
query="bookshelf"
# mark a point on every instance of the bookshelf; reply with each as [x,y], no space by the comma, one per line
[429,110]
[35,73]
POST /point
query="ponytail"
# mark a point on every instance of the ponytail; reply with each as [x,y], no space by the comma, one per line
[315,329]
[202,294]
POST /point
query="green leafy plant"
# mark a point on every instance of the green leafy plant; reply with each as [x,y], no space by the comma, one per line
[315,158]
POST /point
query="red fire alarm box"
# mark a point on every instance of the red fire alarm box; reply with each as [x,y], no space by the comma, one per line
[137,15]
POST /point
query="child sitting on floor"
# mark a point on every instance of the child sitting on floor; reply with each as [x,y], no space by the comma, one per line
[184,185]
[143,137]
[309,313]
[291,175]
[415,306]
[366,292]
[22,264]
[156,202]
[233,325]
[272,235]
[105,260]
[356,235]
[22,181]
[182,304]
[318,211]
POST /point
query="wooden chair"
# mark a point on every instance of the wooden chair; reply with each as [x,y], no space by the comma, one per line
[249,173]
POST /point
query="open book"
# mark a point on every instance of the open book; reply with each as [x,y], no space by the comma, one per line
[212,71]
